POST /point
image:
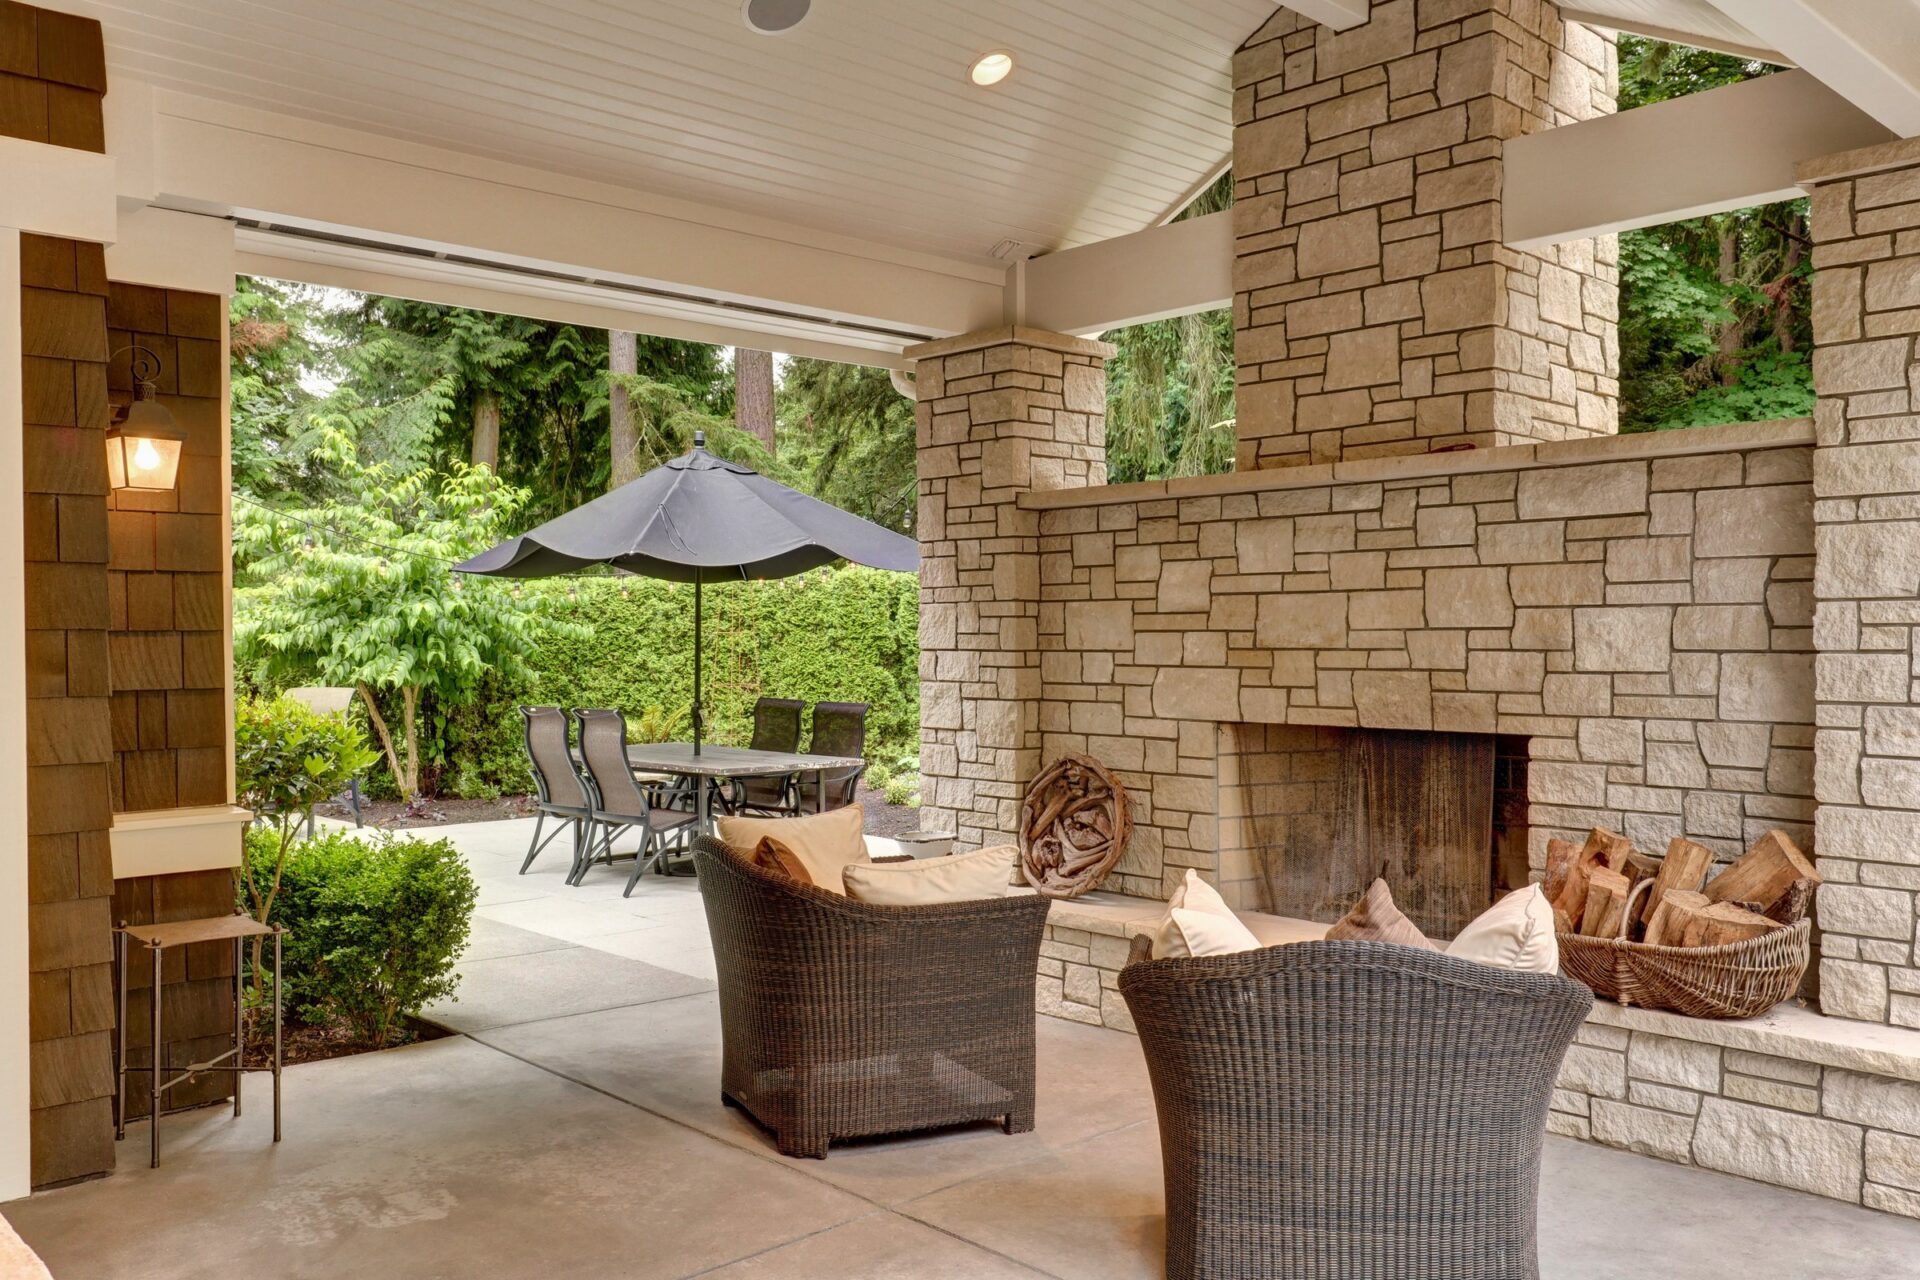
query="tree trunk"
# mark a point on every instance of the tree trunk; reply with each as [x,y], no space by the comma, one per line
[1783,298]
[1733,334]
[753,393]
[380,731]
[409,700]
[486,430]
[623,441]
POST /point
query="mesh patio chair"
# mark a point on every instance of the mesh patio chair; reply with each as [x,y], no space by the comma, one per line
[844,1019]
[1338,1109]
[556,780]
[620,803]
[776,727]
[839,729]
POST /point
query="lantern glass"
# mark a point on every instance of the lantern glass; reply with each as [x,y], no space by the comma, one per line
[136,461]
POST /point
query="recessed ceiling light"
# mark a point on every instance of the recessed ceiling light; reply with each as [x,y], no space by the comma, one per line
[991,68]
[774,17]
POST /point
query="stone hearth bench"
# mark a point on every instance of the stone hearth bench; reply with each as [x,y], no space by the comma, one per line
[1794,1098]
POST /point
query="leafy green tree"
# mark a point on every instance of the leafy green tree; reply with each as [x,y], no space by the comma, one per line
[1170,386]
[357,590]
[1714,311]
[287,759]
[849,439]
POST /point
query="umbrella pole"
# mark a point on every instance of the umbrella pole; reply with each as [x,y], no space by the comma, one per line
[699,719]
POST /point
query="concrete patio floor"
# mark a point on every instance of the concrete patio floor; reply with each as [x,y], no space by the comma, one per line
[575,1130]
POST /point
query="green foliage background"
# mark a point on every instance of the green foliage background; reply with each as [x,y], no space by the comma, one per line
[846,635]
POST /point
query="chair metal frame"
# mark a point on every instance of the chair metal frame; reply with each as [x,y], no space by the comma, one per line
[619,804]
[841,784]
[748,794]
[571,815]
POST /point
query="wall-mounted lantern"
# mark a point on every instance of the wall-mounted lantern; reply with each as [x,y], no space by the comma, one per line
[143,444]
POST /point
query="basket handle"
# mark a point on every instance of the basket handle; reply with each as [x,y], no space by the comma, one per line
[1626,918]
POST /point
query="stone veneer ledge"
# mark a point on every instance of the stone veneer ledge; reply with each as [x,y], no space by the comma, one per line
[1781,433]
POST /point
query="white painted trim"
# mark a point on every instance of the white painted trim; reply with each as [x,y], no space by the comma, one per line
[171,250]
[56,191]
[163,842]
[1674,35]
[462,285]
[1341,15]
[1866,50]
[212,158]
[16,1131]
[1727,148]
[1170,270]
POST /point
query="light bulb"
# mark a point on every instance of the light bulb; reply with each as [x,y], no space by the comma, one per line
[145,456]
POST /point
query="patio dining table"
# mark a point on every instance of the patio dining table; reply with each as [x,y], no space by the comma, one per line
[679,759]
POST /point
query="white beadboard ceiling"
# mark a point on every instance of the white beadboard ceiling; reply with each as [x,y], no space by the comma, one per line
[860,121]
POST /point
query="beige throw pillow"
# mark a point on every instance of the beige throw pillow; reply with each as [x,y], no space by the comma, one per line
[1375,918]
[1199,923]
[960,877]
[1514,933]
[824,843]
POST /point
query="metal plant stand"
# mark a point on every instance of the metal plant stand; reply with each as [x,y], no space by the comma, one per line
[157,938]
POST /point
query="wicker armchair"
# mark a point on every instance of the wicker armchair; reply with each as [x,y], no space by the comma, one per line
[1341,1109]
[842,1019]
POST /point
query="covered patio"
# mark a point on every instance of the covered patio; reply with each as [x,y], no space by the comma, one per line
[572,1130]
[1435,544]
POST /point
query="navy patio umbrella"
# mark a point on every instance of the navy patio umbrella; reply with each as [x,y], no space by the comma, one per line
[699,519]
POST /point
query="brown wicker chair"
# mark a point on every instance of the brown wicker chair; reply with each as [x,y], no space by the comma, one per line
[843,1019]
[1339,1109]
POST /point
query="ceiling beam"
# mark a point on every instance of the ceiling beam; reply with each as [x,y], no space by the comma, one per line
[1866,50]
[754,277]
[1164,271]
[1674,35]
[1726,148]
[1341,15]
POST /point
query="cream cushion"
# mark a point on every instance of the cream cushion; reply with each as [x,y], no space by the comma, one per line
[1199,923]
[825,843]
[960,877]
[1514,933]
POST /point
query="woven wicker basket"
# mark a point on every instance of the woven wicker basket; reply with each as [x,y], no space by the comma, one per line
[1737,980]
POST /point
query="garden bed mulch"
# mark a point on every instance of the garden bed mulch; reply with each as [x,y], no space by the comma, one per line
[303,1043]
[883,819]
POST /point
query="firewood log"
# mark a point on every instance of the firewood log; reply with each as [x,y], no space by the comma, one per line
[1606,904]
[1685,868]
[1764,873]
[1794,903]
[1560,858]
[1562,923]
[1668,924]
[1606,848]
[1726,922]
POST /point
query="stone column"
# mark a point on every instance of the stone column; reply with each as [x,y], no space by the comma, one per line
[1866,471]
[1000,412]
[1376,310]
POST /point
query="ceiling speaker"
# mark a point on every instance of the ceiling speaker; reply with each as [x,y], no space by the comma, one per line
[774,17]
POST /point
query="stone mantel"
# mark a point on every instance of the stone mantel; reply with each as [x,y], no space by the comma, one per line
[1782,433]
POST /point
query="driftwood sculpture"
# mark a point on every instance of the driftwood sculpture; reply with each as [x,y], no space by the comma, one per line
[1074,826]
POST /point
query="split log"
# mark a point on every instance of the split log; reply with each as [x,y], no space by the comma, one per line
[1606,848]
[1562,922]
[1560,859]
[1606,906]
[1764,873]
[1684,868]
[1725,922]
[1667,927]
[1794,903]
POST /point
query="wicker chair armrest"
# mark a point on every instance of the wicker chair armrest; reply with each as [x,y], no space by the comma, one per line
[1140,949]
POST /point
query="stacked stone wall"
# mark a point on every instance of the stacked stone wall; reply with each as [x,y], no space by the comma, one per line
[1376,309]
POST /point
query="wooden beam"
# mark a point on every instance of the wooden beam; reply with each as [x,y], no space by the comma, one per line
[1727,148]
[1711,40]
[1170,270]
[1341,15]
[1866,50]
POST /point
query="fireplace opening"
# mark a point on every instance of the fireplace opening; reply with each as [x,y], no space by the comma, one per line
[1316,813]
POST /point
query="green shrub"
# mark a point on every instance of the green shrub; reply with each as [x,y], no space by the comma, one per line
[374,925]
[287,758]
[903,788]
